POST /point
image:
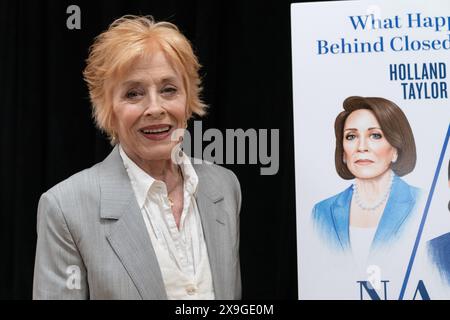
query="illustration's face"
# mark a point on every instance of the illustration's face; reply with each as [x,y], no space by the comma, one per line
[149,103]
[367,153]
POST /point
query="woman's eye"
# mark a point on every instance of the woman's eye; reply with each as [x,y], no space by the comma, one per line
[350,137]
[133,94]
[376,136]
[169,91]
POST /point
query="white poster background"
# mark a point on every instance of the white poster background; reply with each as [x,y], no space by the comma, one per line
[320,85]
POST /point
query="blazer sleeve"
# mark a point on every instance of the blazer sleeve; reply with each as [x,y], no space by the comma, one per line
[238,193]
[238,196]
[59,271]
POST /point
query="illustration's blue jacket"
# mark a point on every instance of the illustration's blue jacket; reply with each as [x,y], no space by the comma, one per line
[439,249]
[331,216]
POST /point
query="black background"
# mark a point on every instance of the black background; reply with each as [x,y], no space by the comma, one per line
[47,133]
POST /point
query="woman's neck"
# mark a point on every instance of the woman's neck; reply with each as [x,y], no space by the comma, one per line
[164,170]
[159,169]
[369,200]
[372,189]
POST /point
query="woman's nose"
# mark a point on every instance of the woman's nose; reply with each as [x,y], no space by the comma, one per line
[154,107]
[362,145]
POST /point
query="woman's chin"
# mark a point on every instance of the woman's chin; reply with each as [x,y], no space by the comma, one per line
[368,175]
[156,157]
[157,153]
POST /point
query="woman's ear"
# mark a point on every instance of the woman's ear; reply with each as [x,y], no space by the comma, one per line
[395,156]
[188,113]
[112,127]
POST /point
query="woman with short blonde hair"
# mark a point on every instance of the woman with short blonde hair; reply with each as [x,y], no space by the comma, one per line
[141,224]
[127,39]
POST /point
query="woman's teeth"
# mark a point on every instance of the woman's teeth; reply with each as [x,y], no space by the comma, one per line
[147,131]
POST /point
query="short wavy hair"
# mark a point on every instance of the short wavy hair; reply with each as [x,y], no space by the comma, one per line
[127,39]
[393,123]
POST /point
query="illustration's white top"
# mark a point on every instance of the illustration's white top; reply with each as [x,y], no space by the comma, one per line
[360,241]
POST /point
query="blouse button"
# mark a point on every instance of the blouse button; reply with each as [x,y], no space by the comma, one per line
[191,290]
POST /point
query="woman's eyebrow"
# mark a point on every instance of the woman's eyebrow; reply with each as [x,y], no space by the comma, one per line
[130,83]
[168,79]
[354,129]
[133,82]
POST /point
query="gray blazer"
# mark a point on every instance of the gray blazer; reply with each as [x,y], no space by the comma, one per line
[93,244]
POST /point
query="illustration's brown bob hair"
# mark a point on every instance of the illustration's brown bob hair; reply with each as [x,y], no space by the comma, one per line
[394,125]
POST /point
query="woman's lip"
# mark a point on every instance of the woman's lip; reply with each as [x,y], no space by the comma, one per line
[363,162]
[157,136]
[156,126]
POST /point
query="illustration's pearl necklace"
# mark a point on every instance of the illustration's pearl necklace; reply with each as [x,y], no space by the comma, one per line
[377,204]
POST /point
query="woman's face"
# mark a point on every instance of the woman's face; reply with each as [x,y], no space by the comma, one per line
[149,103]
[366,151]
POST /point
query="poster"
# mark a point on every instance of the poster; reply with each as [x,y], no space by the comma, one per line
[372,182]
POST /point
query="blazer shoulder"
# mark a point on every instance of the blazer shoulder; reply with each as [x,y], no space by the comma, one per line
[83,181]
[322,213]
[220,176]
[405,187]
[82,189]
[440,243]
[438,249]
[328,203]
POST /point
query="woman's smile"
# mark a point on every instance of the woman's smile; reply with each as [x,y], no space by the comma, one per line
[157,132]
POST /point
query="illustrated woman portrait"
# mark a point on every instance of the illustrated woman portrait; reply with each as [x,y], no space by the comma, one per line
[375,147]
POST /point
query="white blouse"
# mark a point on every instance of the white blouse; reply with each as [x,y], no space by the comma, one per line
[181,253]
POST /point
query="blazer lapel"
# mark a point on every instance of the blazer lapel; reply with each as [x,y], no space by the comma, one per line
[128,235]
[341,217]
[215,231]
[398,207]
